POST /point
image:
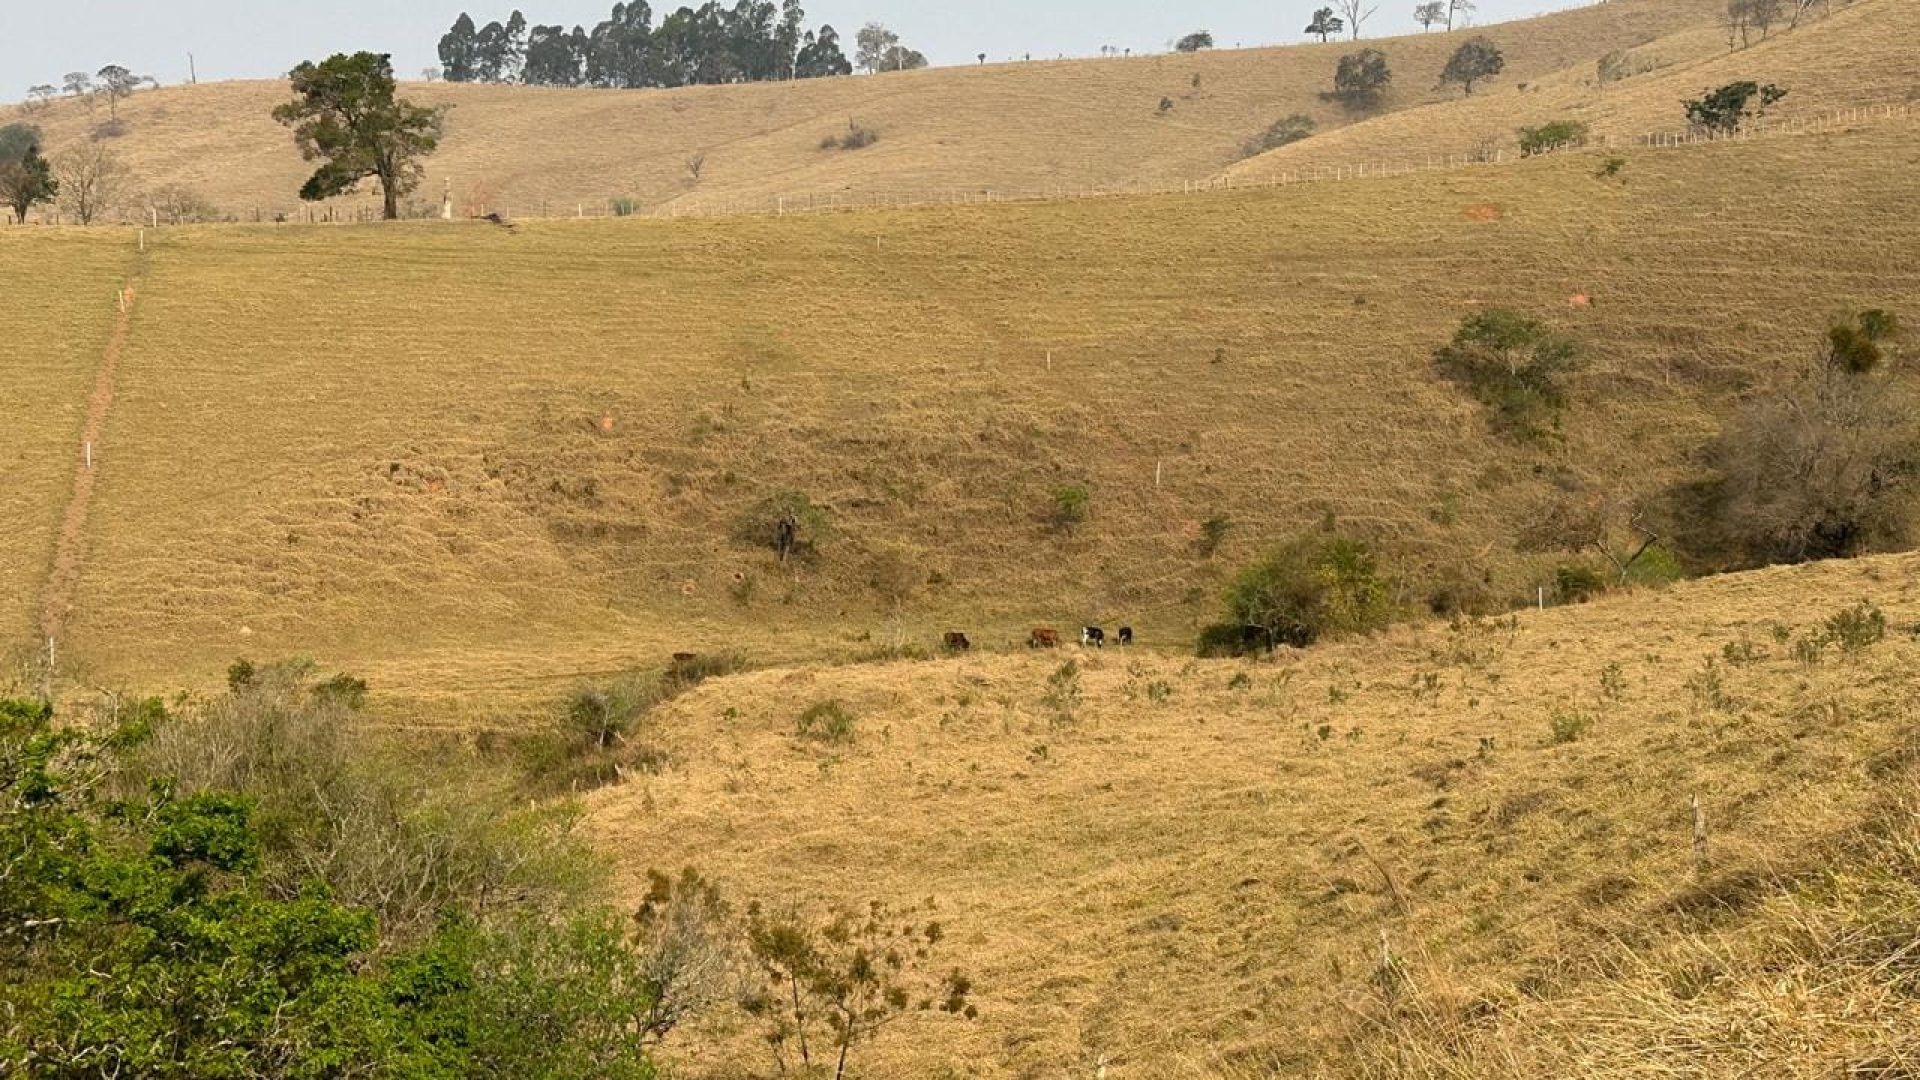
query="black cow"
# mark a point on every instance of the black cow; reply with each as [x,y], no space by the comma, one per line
[1126,635]
[1094,636]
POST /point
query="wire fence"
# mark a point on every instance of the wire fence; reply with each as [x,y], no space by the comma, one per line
[509,208]
[1306,173]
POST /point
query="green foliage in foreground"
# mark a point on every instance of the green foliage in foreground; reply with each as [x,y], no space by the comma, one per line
[154,928]
[1317,585]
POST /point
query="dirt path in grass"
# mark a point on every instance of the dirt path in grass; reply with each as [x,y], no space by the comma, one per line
[70,548]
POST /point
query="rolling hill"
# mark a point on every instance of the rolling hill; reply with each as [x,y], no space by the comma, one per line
[1042,126]
[1862,54]
[475,463]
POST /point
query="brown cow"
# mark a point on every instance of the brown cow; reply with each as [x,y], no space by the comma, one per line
[1042,638]
[956,641]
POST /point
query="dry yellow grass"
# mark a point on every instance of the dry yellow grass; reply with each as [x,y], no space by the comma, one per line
[58,311]
[1039,126]
[1864,53]
[1190,877]
[385,445]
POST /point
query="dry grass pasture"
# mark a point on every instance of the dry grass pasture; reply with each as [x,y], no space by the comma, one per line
[1864,53]
[1190,868]
[473,464]
[1027,127]
[61,303]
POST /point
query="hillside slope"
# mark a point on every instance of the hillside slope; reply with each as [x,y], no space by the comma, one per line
[1190,869]
[1031,127]
[1865,53]
[460,459]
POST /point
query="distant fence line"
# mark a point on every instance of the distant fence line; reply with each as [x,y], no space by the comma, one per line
[825,202]
[1303,174]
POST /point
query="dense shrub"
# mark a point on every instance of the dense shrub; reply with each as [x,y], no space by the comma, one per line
[1823,467]
[1576,584]
[1513,365]
[1361,78]
[1069,506]
[1558,135]
[1732,107]
[161,926]
[759,525]
[1317,585]
[1284,132]
[857,136]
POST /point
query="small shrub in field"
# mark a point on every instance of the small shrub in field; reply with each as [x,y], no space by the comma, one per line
[1284,132]
[1577,584]
[1856,629]
[600,717]
[1515,366]
[1213,532]
[1856,343]
[623,206]
[1808,649]
[857,136]
[1240,681]
[1316,585]
[1709,687]
[240,674]
[759,525]
[683,675]
[1219,640]
[1610,168]
[827,722]
[1070,503]
[1558,135]
[1613,682]
[342,690]
[1566,726]
[1063,694]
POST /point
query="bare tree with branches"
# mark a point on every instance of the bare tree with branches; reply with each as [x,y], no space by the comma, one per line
[1356,12]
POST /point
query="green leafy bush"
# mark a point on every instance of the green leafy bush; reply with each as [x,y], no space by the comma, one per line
[1316,585]
[1576,584]
[1567,726]
[1070,506]
[1284,132]
[160,927]
[1513,365]
[1732,107]
[1558,135]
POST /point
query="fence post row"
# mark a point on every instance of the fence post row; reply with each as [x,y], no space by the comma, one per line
[814,202]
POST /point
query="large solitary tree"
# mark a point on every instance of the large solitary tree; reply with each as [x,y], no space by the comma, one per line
[117,82]
[1478,59]
[344,115]
[1326,24]
[26,178]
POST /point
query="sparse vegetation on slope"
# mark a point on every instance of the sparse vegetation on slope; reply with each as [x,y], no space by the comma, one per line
[1032,127]
[1509,805]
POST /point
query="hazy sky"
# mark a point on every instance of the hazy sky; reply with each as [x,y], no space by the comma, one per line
[233,39]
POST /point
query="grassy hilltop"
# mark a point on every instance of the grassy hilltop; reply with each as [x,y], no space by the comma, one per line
[1024,127]
[1863,54]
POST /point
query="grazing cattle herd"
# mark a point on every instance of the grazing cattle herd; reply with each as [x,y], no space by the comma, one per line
[1046,638]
